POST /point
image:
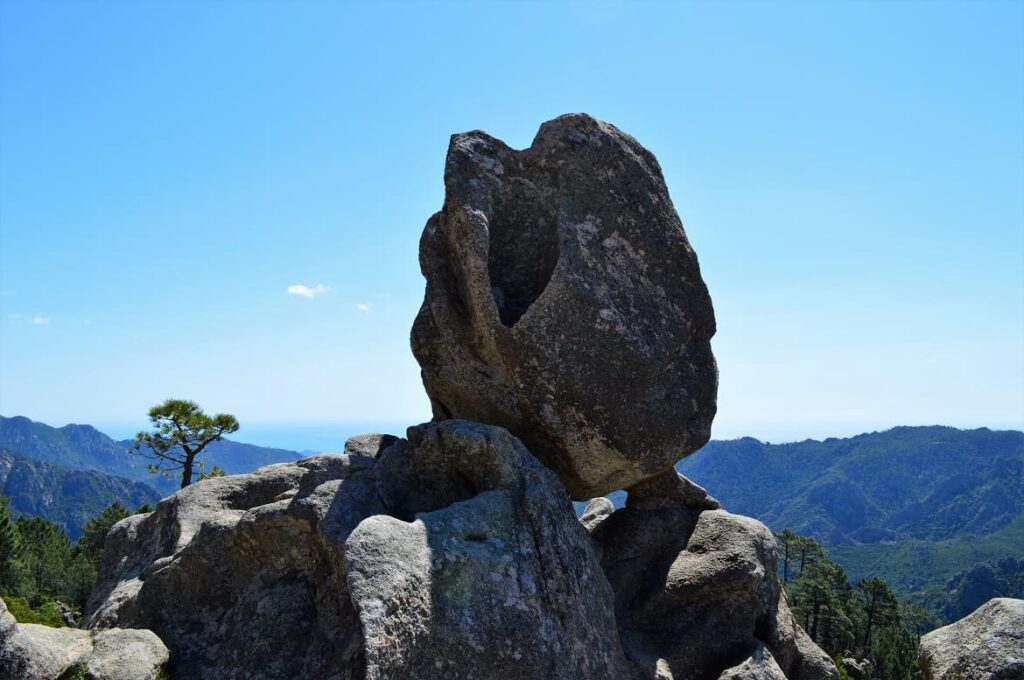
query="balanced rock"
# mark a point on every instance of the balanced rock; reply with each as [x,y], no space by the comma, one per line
[986,645]
[452,554]
[697,595]
[34,652]
[564,303]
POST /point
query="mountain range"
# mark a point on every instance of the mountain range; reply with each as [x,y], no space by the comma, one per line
[63,495]
[84,447]
[937,511]
[69,474]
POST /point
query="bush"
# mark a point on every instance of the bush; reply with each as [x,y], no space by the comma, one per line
[47,614]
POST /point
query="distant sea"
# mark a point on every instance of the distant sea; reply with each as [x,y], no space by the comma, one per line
[294,436]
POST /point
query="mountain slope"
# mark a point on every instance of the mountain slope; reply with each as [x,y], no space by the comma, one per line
[86,448]
[928,483]
[65,496]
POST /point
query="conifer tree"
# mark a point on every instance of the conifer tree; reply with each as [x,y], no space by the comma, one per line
[12,571]
[94,533]
[181,433]
[47,552]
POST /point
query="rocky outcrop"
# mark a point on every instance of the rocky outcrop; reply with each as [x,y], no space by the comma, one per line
[453,554]
[35,652]
[986,645]
[565,309]
[564,303]
[481,570]
[696,592]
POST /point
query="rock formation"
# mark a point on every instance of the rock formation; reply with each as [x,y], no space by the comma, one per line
[565,318]
[696,588]
[986,645]
[453,554]
[565,304]
[34,652]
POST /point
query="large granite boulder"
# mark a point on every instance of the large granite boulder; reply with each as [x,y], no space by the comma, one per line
[243,576]
[564,303]
[451,554]
[33,652]
[480,570]
[696,591]
[986,645]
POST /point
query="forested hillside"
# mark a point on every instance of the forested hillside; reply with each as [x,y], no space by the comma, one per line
[67,497]
[919,506]
[929,483]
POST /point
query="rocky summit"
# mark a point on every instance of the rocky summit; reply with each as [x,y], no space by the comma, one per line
[564,343]
[564,303]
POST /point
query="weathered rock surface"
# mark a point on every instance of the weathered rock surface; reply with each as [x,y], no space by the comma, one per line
[696,593]
[34,652]
[453,554]
[243,576]
[564,303]
[483,571]
[986,645]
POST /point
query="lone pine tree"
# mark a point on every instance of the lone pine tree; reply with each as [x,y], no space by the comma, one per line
[181,433]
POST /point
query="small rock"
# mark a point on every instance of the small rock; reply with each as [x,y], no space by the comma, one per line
[597,510]
[669,489]
[370,445]
[34,652]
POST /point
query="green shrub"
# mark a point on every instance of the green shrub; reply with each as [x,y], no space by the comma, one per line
[47,614]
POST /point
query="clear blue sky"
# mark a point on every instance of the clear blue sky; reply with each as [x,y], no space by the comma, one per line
[851,175]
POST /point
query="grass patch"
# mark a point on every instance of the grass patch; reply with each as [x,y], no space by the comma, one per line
[48,613]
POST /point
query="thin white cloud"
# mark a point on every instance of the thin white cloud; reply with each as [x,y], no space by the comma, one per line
[39,320]
[364,306]
[307,291]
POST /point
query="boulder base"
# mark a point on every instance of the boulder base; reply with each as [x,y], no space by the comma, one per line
[452,554]
[697,595]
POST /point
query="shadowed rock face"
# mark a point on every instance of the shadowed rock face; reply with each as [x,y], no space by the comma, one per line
[696,591]
[564,303]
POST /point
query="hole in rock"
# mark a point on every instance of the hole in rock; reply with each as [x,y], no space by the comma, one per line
[522,254]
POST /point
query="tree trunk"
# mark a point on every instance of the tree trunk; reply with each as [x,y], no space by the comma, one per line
[870,621]
[186,471]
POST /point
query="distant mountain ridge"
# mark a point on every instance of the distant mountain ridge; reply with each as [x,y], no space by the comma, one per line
[65,496]
[84,447]
[929,483]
